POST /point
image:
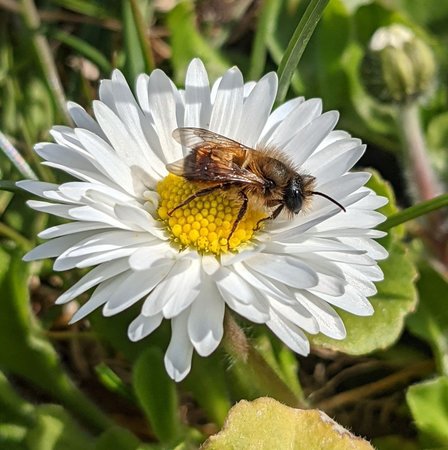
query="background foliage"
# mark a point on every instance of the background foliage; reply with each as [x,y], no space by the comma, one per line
[87,386]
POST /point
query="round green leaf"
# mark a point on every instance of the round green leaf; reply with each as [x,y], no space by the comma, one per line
[268,424]
[430,321]
[428,402]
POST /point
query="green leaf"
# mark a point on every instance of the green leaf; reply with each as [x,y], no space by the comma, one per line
[430,321]
[327,59]
[113,382]
[297,45]
[268,424]
[265,27]
[56,430]
[428,402]
[142,14]
[12,436]
[12,407]
[396,297]
[32,357]
[282,360]
[187,43]
[83,48]
[117,438]
[96,9]
[135,61]
[208,383]
[157,395]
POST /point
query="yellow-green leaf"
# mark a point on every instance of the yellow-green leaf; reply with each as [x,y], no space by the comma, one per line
[268,424]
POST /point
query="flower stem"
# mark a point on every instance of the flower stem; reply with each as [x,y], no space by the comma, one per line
[420,172]
[414,211]
[240,349]
[423,182]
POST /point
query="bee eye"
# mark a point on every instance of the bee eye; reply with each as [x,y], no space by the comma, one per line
[293,197]
[269,184]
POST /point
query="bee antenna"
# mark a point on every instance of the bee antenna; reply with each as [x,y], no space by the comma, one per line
[329,198]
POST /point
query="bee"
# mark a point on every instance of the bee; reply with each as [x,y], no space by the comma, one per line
[264,175]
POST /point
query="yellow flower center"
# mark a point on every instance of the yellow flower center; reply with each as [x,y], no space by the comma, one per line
[205,222]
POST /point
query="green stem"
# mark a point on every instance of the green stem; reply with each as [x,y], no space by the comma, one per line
[297,45]
[239,348]
[31,19]
[414,211]
[12,234]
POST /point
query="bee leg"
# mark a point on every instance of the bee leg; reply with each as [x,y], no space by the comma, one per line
[240,215]
[200,194]
[273,216]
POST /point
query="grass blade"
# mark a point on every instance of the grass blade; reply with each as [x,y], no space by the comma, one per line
[297,45]
[265,28]
[83,48]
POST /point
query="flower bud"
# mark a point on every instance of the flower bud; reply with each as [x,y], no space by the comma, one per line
[398,66]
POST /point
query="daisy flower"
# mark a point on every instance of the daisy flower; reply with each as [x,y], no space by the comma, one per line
[288,274]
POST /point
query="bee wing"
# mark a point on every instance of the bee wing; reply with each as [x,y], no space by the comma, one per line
[214,159]
[198,137]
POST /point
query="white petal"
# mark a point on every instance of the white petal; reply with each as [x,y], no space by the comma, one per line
[290,334]
[352,301]
[277,117]
[138,216]
[296,120]
[205,322]
[228,280]
[81,262]
[141,90]
[137,285]
[96,276]
[179,352]
[373,249]
[142,326]
[227,108]
[327,155]
[176,292]
[197,96]
[297,314]
[310,136]
[51,208]
[329,322]
[71,228]
[256,109]
[264,285]
[144,257]
[84,120]
[36,187]
[285,269]
[100,296]
[162,104]
[252,311]
[107,160]
[56,246]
